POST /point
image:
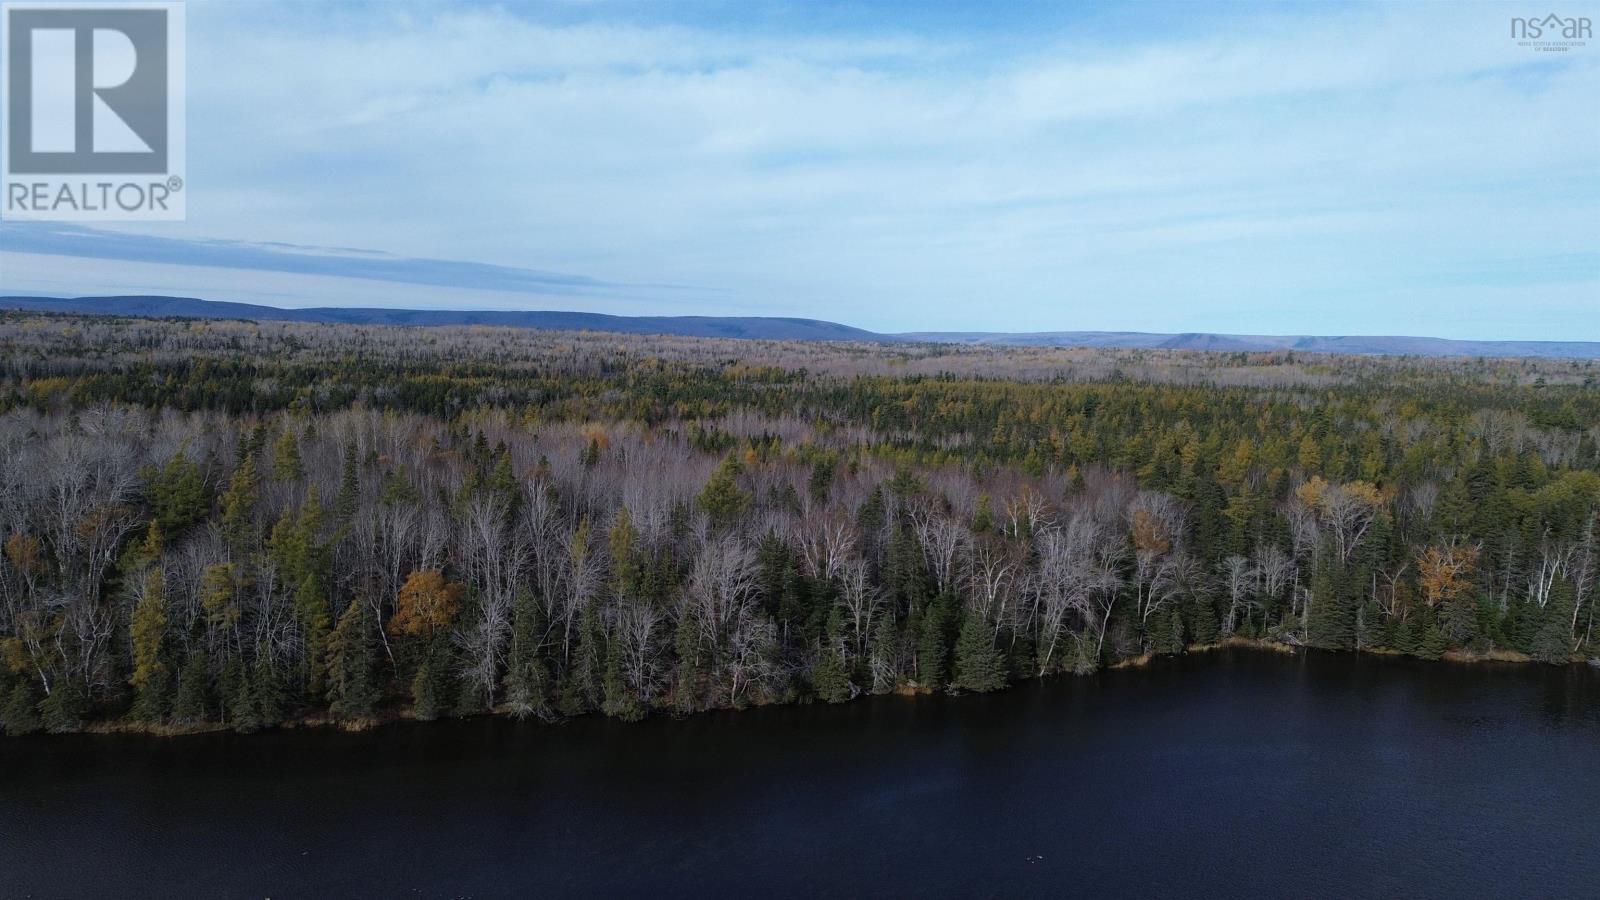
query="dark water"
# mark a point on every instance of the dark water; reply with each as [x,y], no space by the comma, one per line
[1226,774]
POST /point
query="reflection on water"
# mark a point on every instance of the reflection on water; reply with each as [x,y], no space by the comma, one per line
[1232,773]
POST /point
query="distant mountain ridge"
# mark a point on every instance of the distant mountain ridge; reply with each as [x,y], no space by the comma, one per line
[1360,345]
[752,327]
[796,329]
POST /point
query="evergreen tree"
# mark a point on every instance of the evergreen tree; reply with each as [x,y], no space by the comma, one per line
[821,480]
[722,499]
[243,711]
[1433,644]
[194,682]
[311,606]
[286,465]
[178,493]
[1204,624]
[66,706]
[1331,621]
[933,642]
[1552,642]
[266,690]
[21,713]
[619,701]
[430,687]
[238,507]
[148,631]
[527,679]
[1369,627]
[349,496]
[830,678]
[979,664]
[686,692]
[354,688]
[1173,640]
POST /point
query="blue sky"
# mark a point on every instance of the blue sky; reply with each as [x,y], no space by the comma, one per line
[1329,168]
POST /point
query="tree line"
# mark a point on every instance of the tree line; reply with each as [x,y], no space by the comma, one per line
[248,534]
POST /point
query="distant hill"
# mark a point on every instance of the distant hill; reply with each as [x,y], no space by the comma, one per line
[1357,345]
[784,329]
[757,327]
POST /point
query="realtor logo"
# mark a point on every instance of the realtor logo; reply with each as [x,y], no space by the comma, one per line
[94,109]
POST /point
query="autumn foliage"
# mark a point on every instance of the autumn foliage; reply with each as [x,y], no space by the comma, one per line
[427,603]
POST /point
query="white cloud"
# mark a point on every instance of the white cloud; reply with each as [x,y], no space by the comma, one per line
[898,180]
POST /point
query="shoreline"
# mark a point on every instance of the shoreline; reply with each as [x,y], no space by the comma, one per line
[909,690]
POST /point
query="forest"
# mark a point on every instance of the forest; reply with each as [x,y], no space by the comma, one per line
[224,524]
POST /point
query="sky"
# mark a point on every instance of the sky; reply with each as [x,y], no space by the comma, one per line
[1299,168]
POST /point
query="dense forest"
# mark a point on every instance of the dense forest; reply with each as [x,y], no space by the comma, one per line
[231,524]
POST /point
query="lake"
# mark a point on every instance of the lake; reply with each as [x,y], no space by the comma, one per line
[1240,773]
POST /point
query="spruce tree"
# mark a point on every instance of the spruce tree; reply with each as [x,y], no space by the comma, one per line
[1205,625]
[1552,642]
[620,701]
[1433,644]
[346,502]
[66,706]
[242,712]
[979,664]
[430,687]
[268,693]
[354,689]
[194,682]
[722,499]
[527,679]
[686,640]
[1331,622]
[1173,641]
[311,607]
[829,676]
[21,713]
[933,643]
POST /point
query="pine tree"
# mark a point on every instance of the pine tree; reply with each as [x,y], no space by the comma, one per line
[979,665]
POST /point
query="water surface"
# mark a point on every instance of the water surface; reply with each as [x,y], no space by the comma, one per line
[1238,773]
